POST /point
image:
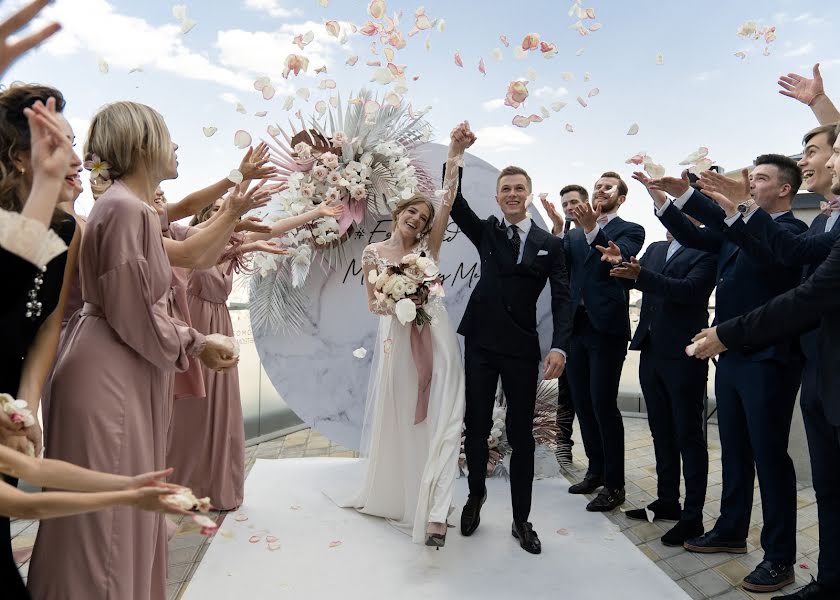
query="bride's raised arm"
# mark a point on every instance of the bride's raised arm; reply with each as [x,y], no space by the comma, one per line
[460,139]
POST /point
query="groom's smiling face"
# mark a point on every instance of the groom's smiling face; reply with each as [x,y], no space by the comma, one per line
[512,196]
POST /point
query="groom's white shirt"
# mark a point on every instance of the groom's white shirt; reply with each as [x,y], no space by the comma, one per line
[524,227]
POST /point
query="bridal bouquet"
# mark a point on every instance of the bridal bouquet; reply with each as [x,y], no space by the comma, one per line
[406,288]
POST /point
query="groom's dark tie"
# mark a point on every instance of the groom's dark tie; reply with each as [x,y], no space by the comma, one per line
[515,242]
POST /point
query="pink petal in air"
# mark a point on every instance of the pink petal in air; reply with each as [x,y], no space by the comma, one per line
[458,60]
[242,139]
[481,68]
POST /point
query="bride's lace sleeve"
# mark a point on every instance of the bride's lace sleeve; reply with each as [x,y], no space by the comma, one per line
[370,263]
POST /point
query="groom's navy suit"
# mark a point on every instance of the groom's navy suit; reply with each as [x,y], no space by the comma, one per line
[500,333]
[600,313]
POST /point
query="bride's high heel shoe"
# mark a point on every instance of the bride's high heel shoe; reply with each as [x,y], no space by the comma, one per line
[436,540]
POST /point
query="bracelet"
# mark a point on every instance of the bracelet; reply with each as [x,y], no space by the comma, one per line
[815,97]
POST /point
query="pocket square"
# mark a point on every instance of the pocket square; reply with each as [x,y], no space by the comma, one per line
[542,253]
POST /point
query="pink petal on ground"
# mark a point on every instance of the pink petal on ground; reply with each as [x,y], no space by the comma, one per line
[240,518]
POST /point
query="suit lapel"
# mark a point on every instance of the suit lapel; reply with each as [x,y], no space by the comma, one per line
[504,250]
[673,258]
[532,244]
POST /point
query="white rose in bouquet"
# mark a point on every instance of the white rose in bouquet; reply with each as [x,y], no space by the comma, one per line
[320,172]
[410,288]
[428,266]
[329,160]
[388,287]
[410,259]
[381,279]
[406,311]
[398,291]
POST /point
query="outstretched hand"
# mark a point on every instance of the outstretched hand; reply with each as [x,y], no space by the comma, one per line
[734,191]
[252,224]
[627,270]
[557,219]
[659,197]
[802,88]
[706,344]
[255,165]
[269,247]
[330,208]
[675,186]
[611,255]
[10,52]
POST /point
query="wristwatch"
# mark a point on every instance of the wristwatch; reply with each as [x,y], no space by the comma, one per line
[745,206]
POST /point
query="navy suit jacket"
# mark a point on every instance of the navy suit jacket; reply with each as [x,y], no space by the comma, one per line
[675,305]
[501,314]
[744,282]
[607,301]
[791,314]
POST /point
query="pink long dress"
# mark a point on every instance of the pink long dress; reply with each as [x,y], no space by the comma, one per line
[208,450]
[111,404]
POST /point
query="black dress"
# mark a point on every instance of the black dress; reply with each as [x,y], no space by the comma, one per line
[20,318]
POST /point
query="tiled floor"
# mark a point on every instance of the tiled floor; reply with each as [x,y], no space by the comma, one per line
[701,576]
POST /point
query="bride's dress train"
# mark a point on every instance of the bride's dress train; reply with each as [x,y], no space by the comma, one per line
[410,469]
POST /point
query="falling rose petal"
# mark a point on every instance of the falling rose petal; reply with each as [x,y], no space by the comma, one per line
[458,60]
[587,76]
[740,54]
[568,76]
[415,78]
[593,92]
[569,128]
[504,40]
[273,546]
[294,507]
[135,70]
[298,115]
[519,53]
[260,113]
[428,44]
[304,93]
[371,107]
[324,3]
[360,352]
[235,176]
[766,51]
[334,101]
[481,67]
[241,518]
[700,153]
[653,169]
[636,159]
[273,131]
[352,60]
[270,539]
[242,139]
[531,41]
[562,531]
[333,28]
[261,82]
[580,28]
[268,92]
[369,29]
[580,52]
[383,76]
[595,26]
[376,9]
[373,48]
[289,103]
[327,84]
[496,53]
[255,539]
[634,129]
[521,121]
[704,164]
[557,106]
[747,29]
[389,54]
[548,49]
[422,22]
[103,66]
[321,107]
[240,108]
[393,99]
[395,70]
[320,70]
[209,131]
[544,112]
[295,63]
[660,58]
[374,63]
[335,543]
[582,102]
[531,74]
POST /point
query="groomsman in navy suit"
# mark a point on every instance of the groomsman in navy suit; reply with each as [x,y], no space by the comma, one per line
[601,330]
[676,283]
[755,391]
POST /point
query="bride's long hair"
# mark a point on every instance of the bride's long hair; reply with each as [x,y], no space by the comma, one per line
[415,199]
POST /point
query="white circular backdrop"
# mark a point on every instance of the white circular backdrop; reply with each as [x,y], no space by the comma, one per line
[315,371]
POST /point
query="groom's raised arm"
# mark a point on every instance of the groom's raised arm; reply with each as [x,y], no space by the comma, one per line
[464,217]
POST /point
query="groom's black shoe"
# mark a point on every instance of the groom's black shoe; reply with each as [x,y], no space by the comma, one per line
[589,484]
[524,532]
[471,515]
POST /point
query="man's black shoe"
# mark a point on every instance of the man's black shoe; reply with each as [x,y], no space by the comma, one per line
[524,532]
[812,591]
[682,531]
[606,500]
[711,542]
[589,484]
[471,515]
[660,510]
[768,577]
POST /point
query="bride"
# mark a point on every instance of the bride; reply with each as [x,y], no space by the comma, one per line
[412,432]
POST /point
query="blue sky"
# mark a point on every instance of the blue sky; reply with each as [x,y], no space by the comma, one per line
[701,95]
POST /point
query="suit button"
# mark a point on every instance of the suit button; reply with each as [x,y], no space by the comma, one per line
[721,280]
[508,307]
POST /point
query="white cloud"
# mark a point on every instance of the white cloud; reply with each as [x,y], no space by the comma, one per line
[502,138]
[806,48]
[706,75]
[493,104]
[126,42]
[550,92]
[272,8]
[809,19]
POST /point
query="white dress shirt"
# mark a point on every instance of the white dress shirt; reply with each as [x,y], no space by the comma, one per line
[590,237]
[672,249]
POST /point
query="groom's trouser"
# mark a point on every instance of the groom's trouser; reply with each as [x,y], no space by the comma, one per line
[594,374]
[519,381]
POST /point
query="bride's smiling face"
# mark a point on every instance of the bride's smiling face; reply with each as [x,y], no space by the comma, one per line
[413,220]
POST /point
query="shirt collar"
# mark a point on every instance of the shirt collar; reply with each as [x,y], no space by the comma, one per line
[610,216]
[776,215]
[524,225]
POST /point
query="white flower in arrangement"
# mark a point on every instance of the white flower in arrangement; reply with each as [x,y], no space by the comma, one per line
[334,178]
[389,284]
[329,160]
[307,190]
[405,311]
[410,288]
[297,208]
[320,172]
[303,150]
[381,280]
[333,194]
[366,159]
[410,259]
[427,265]
[320,240]
[340,138]
[331,237]
[358,192]
[399,289]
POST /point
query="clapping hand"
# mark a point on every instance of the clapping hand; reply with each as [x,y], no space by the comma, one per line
[706,344]
[801,88]
[627,270]
[675,186]
[10,52]
[557,219]
[612,254]
[253,165]
[585,216]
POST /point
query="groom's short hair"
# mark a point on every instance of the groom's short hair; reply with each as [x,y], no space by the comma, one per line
[512,170]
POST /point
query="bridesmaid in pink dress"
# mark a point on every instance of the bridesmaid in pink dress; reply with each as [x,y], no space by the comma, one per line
[111,394]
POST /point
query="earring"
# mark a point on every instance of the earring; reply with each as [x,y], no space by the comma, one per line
[22,170]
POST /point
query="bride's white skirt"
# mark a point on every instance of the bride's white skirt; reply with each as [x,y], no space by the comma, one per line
[410,470]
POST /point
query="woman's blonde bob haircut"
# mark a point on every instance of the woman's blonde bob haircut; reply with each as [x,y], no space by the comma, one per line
[127,135]
[415,199]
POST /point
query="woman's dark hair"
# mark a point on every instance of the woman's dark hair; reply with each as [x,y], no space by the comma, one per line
[14,136]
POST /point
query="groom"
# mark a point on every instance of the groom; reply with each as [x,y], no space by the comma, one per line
[500,334]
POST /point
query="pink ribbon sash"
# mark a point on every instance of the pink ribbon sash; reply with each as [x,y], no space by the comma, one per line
[421,351]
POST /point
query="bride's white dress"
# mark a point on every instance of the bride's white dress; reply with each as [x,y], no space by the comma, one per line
[410,470]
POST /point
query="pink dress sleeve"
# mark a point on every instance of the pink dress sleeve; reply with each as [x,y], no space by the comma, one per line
[133,278]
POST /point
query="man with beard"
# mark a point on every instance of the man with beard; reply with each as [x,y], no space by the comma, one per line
[755,391]
[601,330]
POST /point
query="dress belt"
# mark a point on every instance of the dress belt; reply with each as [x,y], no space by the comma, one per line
[92,310]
